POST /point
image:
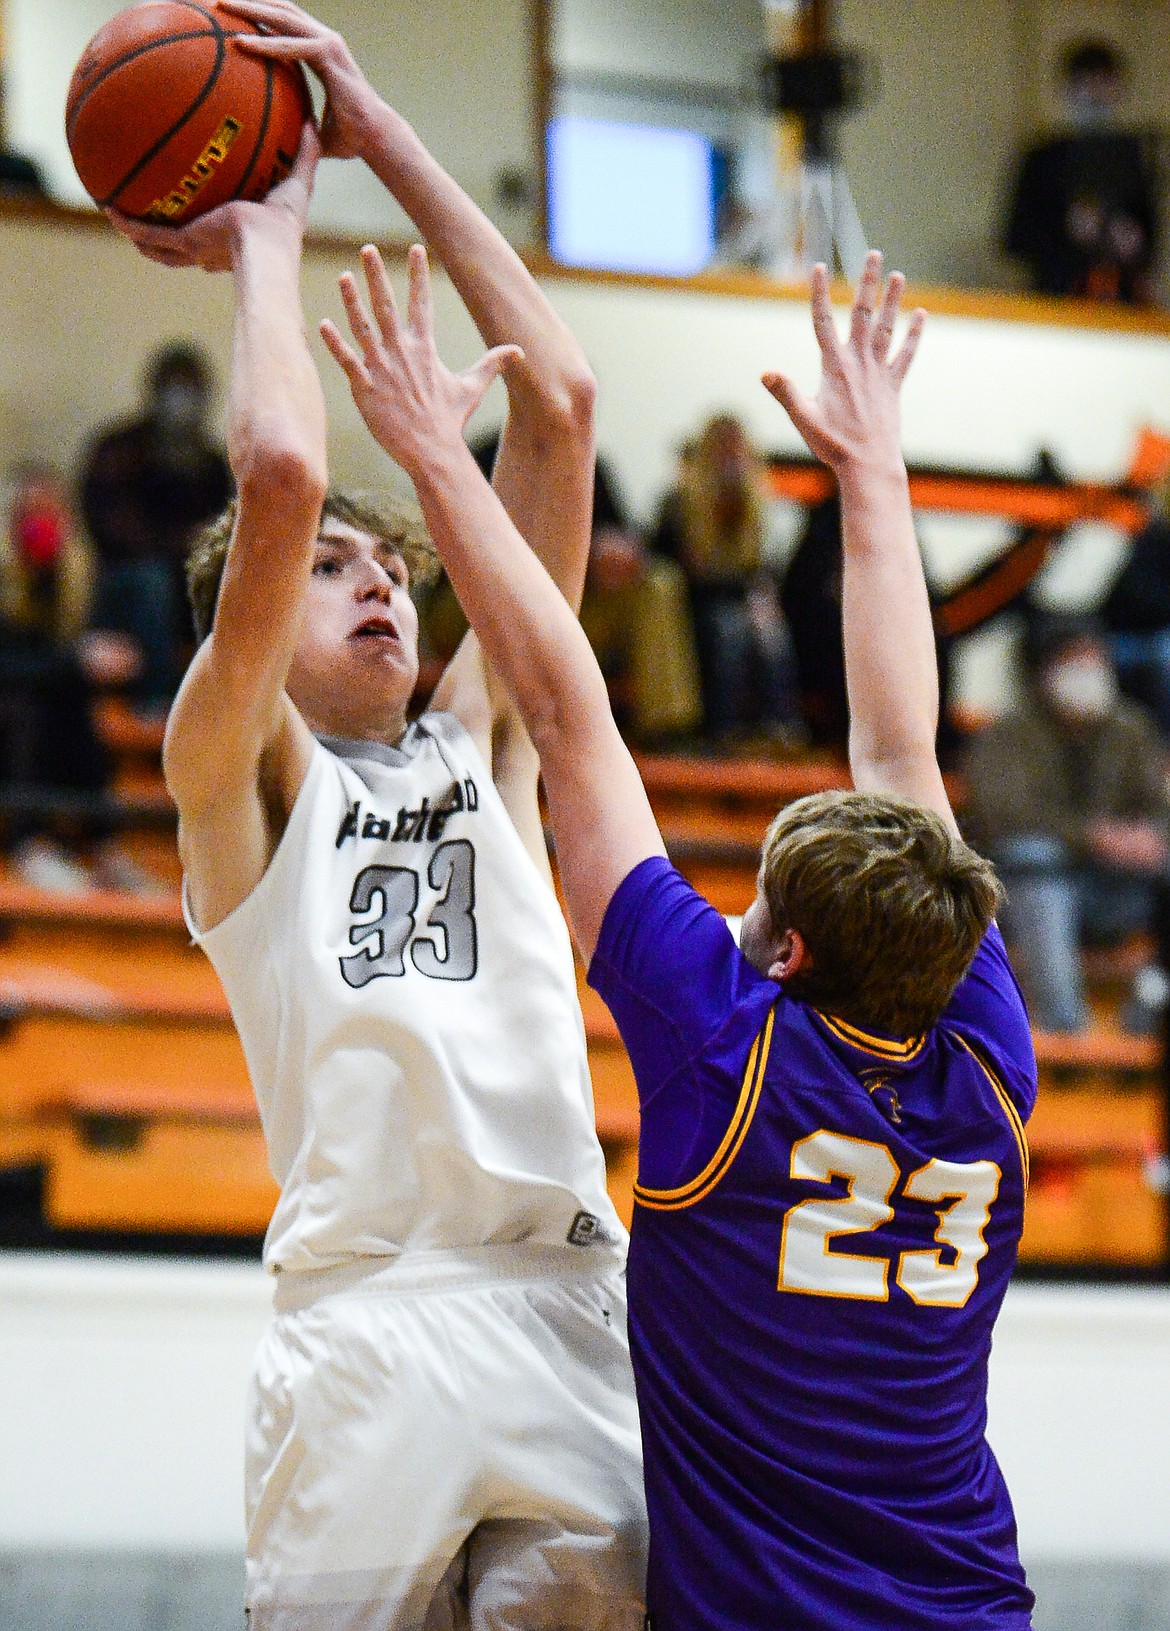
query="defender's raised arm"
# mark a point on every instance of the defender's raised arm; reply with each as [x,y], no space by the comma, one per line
[416,409]
[853,425]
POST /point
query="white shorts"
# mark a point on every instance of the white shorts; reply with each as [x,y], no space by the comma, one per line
[448,1444]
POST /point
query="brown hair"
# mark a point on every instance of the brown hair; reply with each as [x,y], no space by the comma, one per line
[890,903]
[392,520]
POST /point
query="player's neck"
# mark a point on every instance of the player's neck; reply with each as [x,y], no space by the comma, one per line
[387,726]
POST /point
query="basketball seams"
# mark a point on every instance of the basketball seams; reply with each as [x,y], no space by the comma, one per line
[130,56]
[132,74]
[213,30]
[169,135]
[269,92]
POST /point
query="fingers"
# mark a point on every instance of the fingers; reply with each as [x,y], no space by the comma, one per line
[344,355]
[308,154]
[282,19]
[289,48]
[360,322]
[822,313]
[419,308]
[481,374]
[795,404]
[166,246]
[865,298]
[883,331]
[900,366]
[381,295]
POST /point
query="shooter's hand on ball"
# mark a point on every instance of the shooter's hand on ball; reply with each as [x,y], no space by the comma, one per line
[293,36]
[854,415]
[208,241]
[412,403]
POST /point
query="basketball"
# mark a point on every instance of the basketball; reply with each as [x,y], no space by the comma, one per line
[166,117]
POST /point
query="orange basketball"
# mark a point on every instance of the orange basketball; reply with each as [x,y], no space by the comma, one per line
[167,117]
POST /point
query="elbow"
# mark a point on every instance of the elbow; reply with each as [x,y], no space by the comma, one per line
[561,409]
[561,718]
[280,475]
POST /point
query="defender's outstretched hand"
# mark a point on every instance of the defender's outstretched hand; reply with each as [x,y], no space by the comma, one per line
[854,415]
[412,403]
[207,241]
[291,35]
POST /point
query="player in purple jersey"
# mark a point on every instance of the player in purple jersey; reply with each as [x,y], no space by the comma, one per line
[833,1164]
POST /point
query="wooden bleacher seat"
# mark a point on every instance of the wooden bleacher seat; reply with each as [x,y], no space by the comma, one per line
[95,908]
[120,1074]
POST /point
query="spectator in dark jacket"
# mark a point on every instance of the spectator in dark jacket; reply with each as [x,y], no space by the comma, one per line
[1136,613]
[1084,210]
[148,486]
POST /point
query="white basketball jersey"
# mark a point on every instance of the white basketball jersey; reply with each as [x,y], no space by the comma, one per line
[403,985]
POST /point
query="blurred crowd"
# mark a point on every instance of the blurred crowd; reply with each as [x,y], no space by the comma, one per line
[92,604]
[718,630]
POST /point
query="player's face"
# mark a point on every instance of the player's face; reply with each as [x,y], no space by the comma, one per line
[356,659]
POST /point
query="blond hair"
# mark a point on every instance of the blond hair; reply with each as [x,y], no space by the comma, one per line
[391,520]
[890,903]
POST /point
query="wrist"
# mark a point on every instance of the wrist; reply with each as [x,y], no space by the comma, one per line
[861,476]
[436,463]
[253,225]
[378,130]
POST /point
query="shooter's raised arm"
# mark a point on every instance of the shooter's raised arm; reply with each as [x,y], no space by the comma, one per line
[231,717]
[544,473]
[853,425]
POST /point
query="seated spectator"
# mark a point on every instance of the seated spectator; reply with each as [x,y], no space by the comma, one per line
[148,486]
[1068,797]
[54,770]
[712,524]
[634,612]
[1084,209]
[636,616]
[1136,612]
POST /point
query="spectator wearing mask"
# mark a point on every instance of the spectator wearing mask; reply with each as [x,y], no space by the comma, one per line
[712,523]
[1084,209]
[1068,797]
[54,769]
[148,486]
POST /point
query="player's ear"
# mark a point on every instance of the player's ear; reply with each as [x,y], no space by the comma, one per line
[792,956]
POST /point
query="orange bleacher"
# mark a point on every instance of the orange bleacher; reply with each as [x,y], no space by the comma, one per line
[123,1082]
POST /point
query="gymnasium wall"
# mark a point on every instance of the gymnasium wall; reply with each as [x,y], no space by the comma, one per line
[461,70]
[82,312]
[963,84]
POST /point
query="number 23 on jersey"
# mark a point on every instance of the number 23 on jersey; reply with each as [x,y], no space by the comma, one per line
[961,1194]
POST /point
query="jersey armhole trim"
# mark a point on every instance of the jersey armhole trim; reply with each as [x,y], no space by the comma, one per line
[674,1200]
[1009,1109]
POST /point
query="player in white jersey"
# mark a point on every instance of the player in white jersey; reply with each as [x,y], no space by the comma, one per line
[442,1427]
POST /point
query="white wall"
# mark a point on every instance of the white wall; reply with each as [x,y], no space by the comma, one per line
[460,70]
[963,84]
[711,42]
[122,1408]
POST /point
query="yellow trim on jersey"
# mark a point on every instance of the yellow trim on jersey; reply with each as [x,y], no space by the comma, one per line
[881,1045]
[1009,1109]
[674,1200]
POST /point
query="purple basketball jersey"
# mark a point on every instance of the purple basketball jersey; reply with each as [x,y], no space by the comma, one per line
[826,1224]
